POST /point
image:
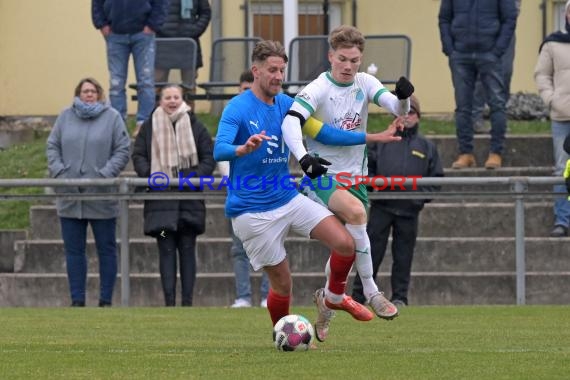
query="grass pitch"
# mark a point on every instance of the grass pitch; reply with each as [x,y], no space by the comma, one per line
[495,342]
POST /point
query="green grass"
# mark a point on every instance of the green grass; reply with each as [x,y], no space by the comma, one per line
[28,160]
[21,161]
[499,342]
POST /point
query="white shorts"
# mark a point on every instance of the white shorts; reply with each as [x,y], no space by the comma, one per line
[263,233]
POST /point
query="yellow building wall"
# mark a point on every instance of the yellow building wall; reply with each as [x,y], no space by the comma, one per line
[430,72]
[47,46]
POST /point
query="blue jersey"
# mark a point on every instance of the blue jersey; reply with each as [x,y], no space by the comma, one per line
[259,181]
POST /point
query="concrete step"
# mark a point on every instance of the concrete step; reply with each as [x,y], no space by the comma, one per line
[213,255]
[451,219]
[217,289]
[7,251]
[520,150]
[484,219]
[44,222]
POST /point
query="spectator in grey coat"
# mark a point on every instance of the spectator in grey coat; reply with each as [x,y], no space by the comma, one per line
[88,140]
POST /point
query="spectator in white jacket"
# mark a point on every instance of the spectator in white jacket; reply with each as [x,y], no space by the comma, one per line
[552,76]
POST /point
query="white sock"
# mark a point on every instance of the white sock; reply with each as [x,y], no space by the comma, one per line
[363,259]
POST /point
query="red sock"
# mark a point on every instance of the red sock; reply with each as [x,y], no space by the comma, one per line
[340,267]
[277,305]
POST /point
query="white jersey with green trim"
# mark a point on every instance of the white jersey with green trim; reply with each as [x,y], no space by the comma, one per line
[343,106]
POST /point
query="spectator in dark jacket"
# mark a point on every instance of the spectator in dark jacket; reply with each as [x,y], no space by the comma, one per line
[413,156]
[128,27]
[475,35]
[185,19]
[480,98]
[173,141]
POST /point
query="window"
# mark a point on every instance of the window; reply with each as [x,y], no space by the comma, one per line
[267,19]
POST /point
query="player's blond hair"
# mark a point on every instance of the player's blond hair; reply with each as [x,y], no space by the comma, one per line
[346,36]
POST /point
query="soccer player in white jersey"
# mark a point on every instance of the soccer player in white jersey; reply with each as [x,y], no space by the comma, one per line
[340,98]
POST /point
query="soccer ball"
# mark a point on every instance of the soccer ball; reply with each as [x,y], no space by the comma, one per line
[293,333]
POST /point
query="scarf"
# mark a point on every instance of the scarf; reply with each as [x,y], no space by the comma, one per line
[186,9]
[560,36]
[87,110]
[173,149]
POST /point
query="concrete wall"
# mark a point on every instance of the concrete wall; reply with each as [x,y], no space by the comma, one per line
[47,46]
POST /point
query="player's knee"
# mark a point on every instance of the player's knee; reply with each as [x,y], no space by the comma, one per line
[345,245]
[356,215]
[282,285]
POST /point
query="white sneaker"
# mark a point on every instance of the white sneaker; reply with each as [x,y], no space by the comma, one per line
[382,307]
[263,303]
[241,302]
[324,315]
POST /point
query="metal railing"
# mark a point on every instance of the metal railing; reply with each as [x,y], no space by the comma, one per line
[516,188]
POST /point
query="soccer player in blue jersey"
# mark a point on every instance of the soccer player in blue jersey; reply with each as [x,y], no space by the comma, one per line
[263,201]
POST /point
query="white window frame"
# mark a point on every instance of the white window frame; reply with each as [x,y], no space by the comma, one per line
[305,8]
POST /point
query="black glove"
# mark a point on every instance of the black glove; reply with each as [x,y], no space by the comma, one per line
[313,166]
[404,88]
[568,185]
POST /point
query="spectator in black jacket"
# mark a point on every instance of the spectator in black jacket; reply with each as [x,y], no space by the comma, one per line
[173,141]
[413,156]
[185,19]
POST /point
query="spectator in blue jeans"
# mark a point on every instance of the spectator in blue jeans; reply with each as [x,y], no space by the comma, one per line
[88,140]
[242,274]
[129,27]
[552,77]
[475,35]
[480,98]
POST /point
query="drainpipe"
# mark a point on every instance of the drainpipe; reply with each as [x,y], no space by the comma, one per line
[354,9]
[326,16]
[245,8]
[216,22]
[543,9]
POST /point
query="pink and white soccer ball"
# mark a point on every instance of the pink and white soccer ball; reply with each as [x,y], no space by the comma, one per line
[293,333]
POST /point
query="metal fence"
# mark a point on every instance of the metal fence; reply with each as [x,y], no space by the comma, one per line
[517,188]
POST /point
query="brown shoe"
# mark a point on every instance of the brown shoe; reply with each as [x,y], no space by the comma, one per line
[464,161]
[494,161]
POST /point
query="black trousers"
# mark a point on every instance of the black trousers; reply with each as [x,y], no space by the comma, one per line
[404,233]
[168,245]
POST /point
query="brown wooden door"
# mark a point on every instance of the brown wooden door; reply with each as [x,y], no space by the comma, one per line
[270,27]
